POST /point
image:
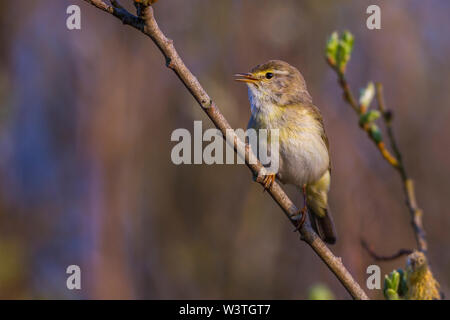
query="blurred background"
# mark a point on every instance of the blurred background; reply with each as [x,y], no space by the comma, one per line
[86,176]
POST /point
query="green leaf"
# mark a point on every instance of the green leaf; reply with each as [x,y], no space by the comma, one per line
[391,285]
[392,280]
[375,133]
[332,47]
[403,286]
[338,50]
[390,294]
[395,280]
[320,292]
[349,40]
[345,50]
[367,95]
[395,287]
[369,117]
[387,282]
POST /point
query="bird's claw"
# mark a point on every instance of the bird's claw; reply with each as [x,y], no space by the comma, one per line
[301,217]
[268,180]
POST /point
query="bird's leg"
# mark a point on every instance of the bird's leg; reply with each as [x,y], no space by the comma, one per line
[305,201]
[268,181]
[303,210]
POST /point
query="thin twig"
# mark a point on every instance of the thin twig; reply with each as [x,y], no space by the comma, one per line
[408,184]
[350,99]
[147,24]
[394,160]
[377,257]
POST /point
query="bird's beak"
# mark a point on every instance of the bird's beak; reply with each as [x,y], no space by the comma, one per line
[246,77]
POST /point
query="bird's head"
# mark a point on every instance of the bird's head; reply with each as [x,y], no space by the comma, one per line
[276,82]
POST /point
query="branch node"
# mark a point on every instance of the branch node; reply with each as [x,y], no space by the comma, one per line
[169,63]
[208,104]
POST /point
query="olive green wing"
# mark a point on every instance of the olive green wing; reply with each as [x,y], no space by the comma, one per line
[318,116]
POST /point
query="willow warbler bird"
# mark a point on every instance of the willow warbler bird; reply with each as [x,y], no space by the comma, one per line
[280,100]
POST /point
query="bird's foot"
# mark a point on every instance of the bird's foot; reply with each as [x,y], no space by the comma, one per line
[300,217]
[268,180]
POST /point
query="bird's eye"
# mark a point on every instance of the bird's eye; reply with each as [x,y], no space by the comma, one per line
[269,75]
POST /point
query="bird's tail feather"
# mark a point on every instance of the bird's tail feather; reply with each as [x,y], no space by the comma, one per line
[323,226]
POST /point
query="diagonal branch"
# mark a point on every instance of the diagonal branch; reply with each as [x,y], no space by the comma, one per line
[147,24]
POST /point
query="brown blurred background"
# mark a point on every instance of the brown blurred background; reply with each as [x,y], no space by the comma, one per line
[85,171]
